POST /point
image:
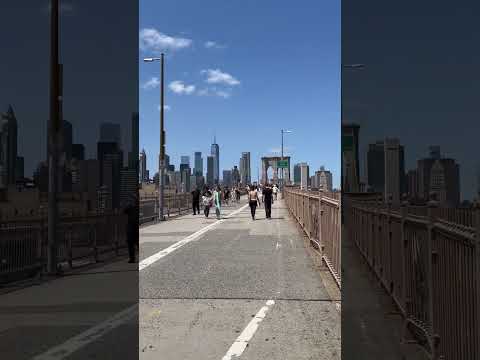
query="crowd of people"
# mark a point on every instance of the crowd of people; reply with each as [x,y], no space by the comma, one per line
[258,195]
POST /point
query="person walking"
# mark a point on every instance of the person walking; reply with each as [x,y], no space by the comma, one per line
[217,198]
[226,195]
[196,201]
[275,191]
[253,200]
[268,199]
[132,212]
[207,201]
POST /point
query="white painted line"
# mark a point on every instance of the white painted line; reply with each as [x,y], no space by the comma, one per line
[157,256]
[92,334]
[241,343]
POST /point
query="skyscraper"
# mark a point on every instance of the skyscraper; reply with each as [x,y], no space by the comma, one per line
[143,167]
[78,151]
[215,153]
[210,171]
[8,147]
[323,179]
[227,178]
[304,175]
[67,137]
[110,132]
[198,170]
[296,174]
[134,147]
[185,160]
[245,170]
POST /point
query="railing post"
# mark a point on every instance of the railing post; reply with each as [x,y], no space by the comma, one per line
[320,218]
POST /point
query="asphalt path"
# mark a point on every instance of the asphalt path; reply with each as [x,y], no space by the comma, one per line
[242,289]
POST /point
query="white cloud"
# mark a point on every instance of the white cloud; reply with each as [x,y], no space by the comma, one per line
[223,94]
[153,40]
[151,84]
[216,76]
[179,87]
[213,44]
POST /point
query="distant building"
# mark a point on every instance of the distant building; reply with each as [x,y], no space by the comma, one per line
[210,170]
[323,179]
[227,178]
[235,176]
[245,169]
[412,184]
[128,185]
[8,148]
[304,175]
[132,155]
[198,169]
[143,177]
[185,160]
[67,137]
[350,158]
[296,174]
[111,133]
[215,153]
[20,168]
[78,151]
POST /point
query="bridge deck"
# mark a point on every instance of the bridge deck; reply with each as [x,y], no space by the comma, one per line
[199,299]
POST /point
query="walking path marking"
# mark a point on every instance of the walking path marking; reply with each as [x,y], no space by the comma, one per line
[241,343]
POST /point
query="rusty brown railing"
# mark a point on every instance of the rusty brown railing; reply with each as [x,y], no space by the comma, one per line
[319,214]
[428,260]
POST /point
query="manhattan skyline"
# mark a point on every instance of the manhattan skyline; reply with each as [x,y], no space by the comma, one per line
[223,80]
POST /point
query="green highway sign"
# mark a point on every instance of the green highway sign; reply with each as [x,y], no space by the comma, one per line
[282,164]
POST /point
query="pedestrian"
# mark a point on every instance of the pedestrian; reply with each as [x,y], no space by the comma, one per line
[260,195]
[275,191]
[253,200]
[207,201]
[217,198]
[196,201]
[237,194]
[268,199]
[226,195]
[131,210]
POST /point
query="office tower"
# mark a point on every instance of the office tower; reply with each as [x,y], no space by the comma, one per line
[193,182]
[198,171]
[185,160]
[245,170]
[67,137]
[128,185]
[350,158]
[323,179]
[185,173]
[210,170]
[8,147]
[304,175]
[441,176]
[296,174]
[110,133]
[134,147]
[412,184]
[111,177]
[386,168]
[167,163]
[78,151]
[215,153]
[235,176]
[20,168]
[143,167]
[87,180]
[104,148]
[227,178]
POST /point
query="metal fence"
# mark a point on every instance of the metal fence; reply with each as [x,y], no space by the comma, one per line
[319,214]
[175,204]
[24,244]
[428,260]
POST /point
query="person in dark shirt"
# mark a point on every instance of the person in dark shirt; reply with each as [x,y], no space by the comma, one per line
[267,199]
[132,228]
[196,201]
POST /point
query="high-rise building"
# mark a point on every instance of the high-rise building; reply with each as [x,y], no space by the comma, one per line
[67,137]
[134,147]
[210,170]
[439,175]
[111,133]
[104,148]
[235,176]
[8,147]
[198,170]
[227,178]
[386,168]
[215,153]
[128,185]
[143,167]
[78,151]
[245,170]
[185,160]
[350,158]
[323,179]
[304,175]
[296,174]
[20,168]
[412,184]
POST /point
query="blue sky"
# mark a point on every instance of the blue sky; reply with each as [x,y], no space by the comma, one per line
[242,70]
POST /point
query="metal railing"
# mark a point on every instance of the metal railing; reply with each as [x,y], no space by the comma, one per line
[428,260]
[175,204]
[319,214]
[24,244]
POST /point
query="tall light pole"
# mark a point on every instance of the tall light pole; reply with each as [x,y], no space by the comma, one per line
[283,131]
[161,167]
[53,139]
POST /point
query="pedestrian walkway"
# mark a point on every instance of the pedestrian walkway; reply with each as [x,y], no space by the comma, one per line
[239,288]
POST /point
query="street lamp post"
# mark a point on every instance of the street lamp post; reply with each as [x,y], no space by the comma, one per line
[53,137]
[161,167]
